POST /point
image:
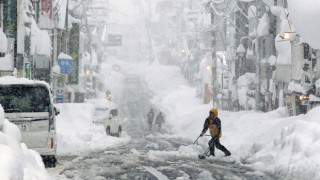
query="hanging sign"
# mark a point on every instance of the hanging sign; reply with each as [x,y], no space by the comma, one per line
[45,18]
[27,70]
[74,53]
[10,18]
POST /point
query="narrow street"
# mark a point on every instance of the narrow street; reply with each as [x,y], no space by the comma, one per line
[131,161]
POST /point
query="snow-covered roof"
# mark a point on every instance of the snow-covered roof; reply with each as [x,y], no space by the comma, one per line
[294,87]
[43,44]
[246,79]
[40,40]
[64,56]
[8,80]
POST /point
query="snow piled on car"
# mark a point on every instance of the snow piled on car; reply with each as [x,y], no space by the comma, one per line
[76,132]
[17,161]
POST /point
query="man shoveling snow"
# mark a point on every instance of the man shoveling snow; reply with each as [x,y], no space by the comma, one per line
[214,125]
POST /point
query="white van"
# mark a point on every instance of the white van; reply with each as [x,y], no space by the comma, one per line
[112,123]
[106,114]
[29,105]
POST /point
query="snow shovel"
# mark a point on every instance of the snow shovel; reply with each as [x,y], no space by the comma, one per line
[196,141]
[202,156]
[206,153]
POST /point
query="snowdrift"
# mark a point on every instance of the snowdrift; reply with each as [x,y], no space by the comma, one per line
[17,161]
[76,132]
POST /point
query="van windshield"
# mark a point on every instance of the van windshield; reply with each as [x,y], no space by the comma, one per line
[23,98]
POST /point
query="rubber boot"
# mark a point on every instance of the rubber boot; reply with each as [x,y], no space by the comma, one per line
[225,150]
[211,153]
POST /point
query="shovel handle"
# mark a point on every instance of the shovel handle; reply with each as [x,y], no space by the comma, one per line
[196,141]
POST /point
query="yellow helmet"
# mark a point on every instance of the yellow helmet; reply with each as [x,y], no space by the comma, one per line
[214,111]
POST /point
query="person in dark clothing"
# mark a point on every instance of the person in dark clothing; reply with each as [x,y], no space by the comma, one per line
[159,120]
[213,123]
[150,118]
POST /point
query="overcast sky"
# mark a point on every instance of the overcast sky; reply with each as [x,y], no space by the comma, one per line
[125,11]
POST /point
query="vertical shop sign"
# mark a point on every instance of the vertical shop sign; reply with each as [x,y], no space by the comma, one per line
[60,95]
[27,70]
[10,18]
[74,53]
[45,19]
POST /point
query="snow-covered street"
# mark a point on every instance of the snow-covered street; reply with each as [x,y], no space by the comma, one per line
[159,89]
[149,155]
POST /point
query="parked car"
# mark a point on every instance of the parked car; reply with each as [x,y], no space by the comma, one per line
[29,105]
[101,107]
[112,123]
[106,114]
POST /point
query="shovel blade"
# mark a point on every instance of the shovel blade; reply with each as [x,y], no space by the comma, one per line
[201,156]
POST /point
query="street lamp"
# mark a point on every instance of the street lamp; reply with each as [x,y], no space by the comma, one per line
[240,53]
[241,50]
[88,73]
[287,35]
[208,67]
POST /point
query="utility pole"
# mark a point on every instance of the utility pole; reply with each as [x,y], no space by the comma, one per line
[148,21]
[214,64]
[257,92]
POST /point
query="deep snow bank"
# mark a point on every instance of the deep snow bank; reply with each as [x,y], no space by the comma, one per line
[76,132]
[17,161]
[269,141]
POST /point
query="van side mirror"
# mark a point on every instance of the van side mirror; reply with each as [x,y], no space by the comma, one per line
[56,111]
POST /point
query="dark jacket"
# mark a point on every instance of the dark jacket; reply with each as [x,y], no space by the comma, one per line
[214,125]
[159,119]
[150,116]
